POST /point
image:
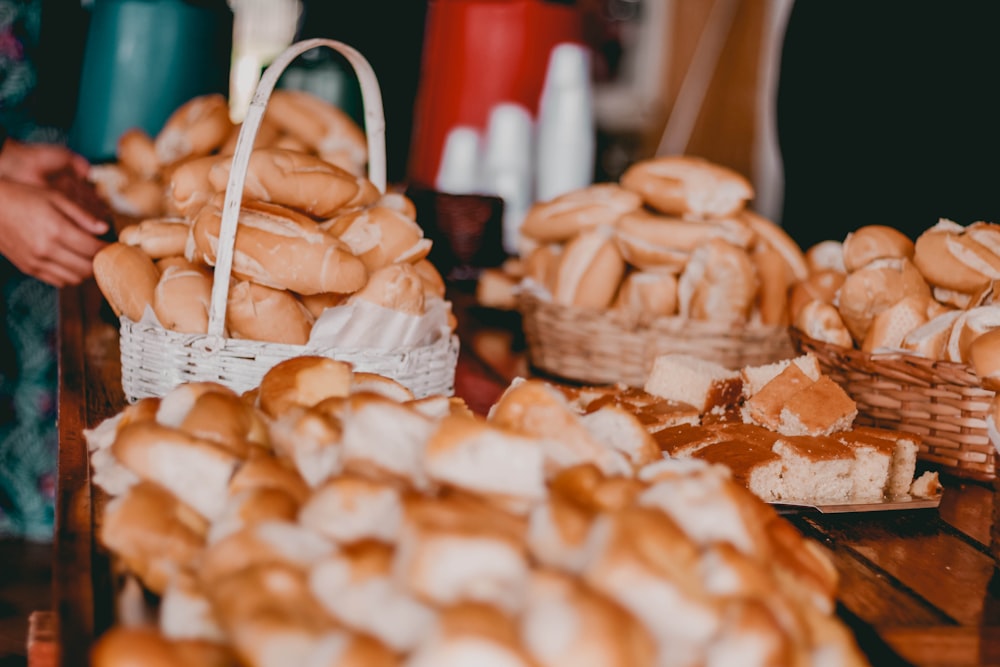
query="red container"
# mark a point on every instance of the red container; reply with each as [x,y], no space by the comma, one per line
[477,54]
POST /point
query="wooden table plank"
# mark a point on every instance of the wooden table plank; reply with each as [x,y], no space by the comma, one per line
[72,581]
[970,511]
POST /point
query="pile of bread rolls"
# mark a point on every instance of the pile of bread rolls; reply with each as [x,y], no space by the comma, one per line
[328,518]
[311,235]
[673,238]
[936,298]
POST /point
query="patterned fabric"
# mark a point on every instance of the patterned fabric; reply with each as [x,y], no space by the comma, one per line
[28,439]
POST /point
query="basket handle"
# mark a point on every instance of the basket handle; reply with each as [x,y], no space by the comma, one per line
[371,98]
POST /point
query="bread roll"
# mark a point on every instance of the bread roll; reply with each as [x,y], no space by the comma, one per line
[397,287]
[304,381]
[646,296]
[158,237]
[659,243]
[380,236]
[317,303]
[968,326]
[930,340]
[774,276]
[135,151]
[826,255]
[140,646]
[590,270]
[399,202]
[890,327]
[182,299]
[866,244]
[563,217]
[950,259]
[256,312]
[868,291]
[268,136]
[719,284]
[138,198]
[127,278]
[542,265]
[432,279]
[197,127]
[188,188]
[277,247]
[496,289]
[315,122]
[153,533]
[984,355]
[303,182]
[685,185]
[822,285]
[821,321]
[226,420]
[367,195]
[771,235]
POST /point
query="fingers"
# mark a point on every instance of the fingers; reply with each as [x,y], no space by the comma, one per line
[75,213]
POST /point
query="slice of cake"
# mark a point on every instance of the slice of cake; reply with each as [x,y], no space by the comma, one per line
[764,406]
[820,409]
[684,440]
[754,466]
[699,382]
[755,435]
[755,377]
[873,457]
[816,468]
[903,465]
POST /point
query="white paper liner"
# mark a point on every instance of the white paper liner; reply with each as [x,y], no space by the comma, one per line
[362,324]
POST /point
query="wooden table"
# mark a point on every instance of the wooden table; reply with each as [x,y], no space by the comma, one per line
[918,587]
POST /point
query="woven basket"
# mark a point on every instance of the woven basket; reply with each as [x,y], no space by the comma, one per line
[593,346]
[940,401]
[155,360]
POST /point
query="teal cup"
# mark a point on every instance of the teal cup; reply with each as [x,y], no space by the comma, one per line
[142,60]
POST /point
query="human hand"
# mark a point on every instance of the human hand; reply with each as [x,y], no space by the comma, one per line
[35,163]
[46,235]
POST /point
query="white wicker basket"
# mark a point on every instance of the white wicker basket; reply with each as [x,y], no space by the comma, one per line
[155,360]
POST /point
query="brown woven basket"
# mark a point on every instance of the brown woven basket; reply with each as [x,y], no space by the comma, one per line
[940,401]
[594,346]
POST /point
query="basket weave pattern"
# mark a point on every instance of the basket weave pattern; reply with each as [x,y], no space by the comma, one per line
[594,346]
[940,401]
[155,360]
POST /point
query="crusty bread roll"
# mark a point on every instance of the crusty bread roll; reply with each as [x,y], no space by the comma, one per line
[890,327]
[496,289]
[277,247]
[380,236]
[256,312]
[196,471]
[304,381]
[363,382]
[127,278]
[866,244]
[950,259]
[590,270]
[197,127]
[132,646]
[396,286]
[433,281]
[399,202]
[328,130]
[771,235]
[188,188]
[268,472]
[826,255]
[158,237]
[317,303]
[984,356]
[686,185]
[135,151]
[660,243]
[297,180]
[645,296]
[223,418]
[930,340]
[870,290]
[822,321]
[138,198]
[719,284]
[563,217]
[542,265]
[154,534]
[774,277]
[367,195]
[821,285]
[968,326]
[182,299]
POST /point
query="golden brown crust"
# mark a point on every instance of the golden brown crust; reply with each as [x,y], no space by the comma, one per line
[127,278]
